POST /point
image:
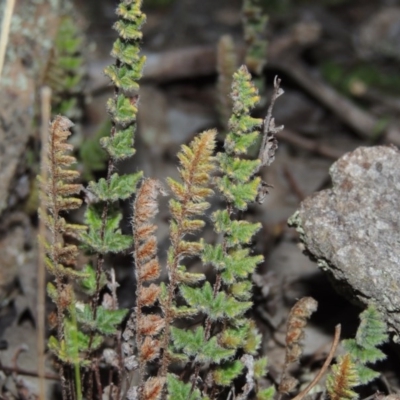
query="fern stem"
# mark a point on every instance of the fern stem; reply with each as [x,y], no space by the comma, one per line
[77,371]
[208,323]
[54,210]
[138,336]
[100,257]
[97,376]
[142,365]
[168,318]
[41,302]
[104,214]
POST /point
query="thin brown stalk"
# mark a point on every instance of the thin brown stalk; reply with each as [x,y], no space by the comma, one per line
[208,323]
[41,319]
[97,377]
[100,257]
[113,287]
[294,186]
[313,146]
[26,372]
[55,212]
[171,294]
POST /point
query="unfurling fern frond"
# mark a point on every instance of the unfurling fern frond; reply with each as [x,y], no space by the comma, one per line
[343,379]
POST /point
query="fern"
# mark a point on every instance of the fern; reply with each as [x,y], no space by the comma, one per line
[352,370]
[188,203]
[104,233]
[254,26]
[297,321]
[224,339]
[146,269]
[102,217]
[58,195]
[233,263]
[65,70]
[371,333]
[343,378]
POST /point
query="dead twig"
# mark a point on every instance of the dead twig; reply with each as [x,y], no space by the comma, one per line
[25,372]
[313,146]
[327,362]
[363,123]
[269,143]
[293,184]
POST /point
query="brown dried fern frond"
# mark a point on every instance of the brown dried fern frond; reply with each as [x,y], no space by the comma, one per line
[57,192]
[146,269]
[296,323]
[57,196]
[153,389]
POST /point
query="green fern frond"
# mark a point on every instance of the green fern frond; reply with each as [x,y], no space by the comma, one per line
[225,374]
[177,390]
[104,234]
[254,25]
[372,330]
[194,344]
[371,333]
[65,70]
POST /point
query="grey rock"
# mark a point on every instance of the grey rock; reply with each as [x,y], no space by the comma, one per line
[33,27]
[353,229]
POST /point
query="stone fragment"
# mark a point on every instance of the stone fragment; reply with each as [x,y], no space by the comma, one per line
[353,229]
